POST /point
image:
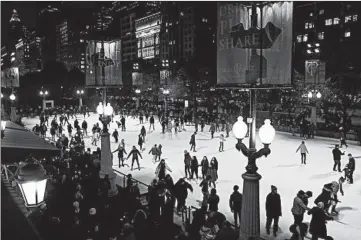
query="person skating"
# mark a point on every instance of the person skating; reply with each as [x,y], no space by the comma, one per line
[151,123]
[235,204]
[221,143]
[202,124]
[84,126]
[163,123]
[161,170]
[212,129]
[121,151]
[122,120]
[337,158]
[135,153]
[115,135]
[192,142]
[140,142]
[187,164]
[212,171]
[351,167]
[335,188]
[194,167]
[143,132]
[343,138]
[303,150]
[181,193]
[205,190]
[141,118]
[70,129]
[319,218]
[228,127]
[154,151]
[52,133]
[213,201]
[204,167]
[298,208]
[159,152]
[273,210]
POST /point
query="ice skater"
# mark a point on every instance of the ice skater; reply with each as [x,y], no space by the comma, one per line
[303,149]
[154,151]
[135,153]
[221,143]
[161,170]
[337,158]
[192,142]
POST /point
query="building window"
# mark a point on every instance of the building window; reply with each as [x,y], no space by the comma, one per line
[336,21]
[305,37]
[81,40]
[311,14]
[309,25]
[328,22]
[348,18]
[322,11]
[321,35]
[204,20]
[299,38]
[347,33]
[355,18]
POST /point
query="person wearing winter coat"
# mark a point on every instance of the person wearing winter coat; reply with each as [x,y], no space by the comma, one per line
[181,193]
[122,120]
[351,167]
[143,132]
[161,170]
[121,151]
[273,210]
[192,142]
[204,165]
[159,152]
[337,158]
[151,123]
[212,129]
[194,167]
[213,171]
[221,143]
[303,149]
[318,227]
[154,151]
[226,233]
[213,201]
[205,190]
[84,126]
[135,153]
[140,142]
[187,164]
[235,204]
[298,208]
[115,135]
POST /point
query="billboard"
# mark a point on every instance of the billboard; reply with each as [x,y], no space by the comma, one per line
[111,61]
[315,72]
[137,79]
[10,77]
[258,53]
[165,77]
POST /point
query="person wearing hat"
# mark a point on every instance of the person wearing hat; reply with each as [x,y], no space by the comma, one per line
[318,227]
[337,158]
[298,208]
[273,210]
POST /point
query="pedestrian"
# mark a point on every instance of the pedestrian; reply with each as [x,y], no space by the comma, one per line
[143,132]
[235,203]
[303,150]
[298,208]
[351,167]
[212,129]
[318,227]
[140,142]
[70,128]
[221,143]
[194,167]
[214,166]
[273,210]
[151,123]
[343,137]
[213,201]
[205,187]
[115,135]
[187,164]
[84,126]
[52,132]
[337,158]
[192,142]
[204,167]
[135,153]
[154,151]
[121,151]
[159,152]
[181,193]
[161,170]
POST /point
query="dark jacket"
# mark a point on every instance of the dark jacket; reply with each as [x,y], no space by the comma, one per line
[194,163]
[351,164]
[205,165]
[181,190]
[273,205]
[187,159]
[135,153]
[213,201]
[318,222]
[193,139]
[337,154]
[227,233]
[235,201]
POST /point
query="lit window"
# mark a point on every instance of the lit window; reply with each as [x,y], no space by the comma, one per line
[299,38]
[336,21]
[321,35]
[347,33]
[305,37]
[170,24]
[309,25]
[322,11]
[82,66]
[166,30]
[81,40]
[328,22]
[311,14]
[306,25]
[166,24]
[348,18]
[355,18]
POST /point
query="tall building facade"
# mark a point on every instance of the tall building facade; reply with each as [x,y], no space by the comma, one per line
[328,31]
[21,56]
[34,59]
[5,58]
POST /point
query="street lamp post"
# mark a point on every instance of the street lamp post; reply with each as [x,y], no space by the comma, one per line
[106,163]
[166,93]
[250,223]
[137,92]
[32,181]
[80,93]
[44,94]
[12,107]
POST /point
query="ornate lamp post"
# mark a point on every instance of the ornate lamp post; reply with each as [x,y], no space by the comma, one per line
[12,107]
[80,93]
[137,92]
[106,162]
[166,93]
[250,223]
[44,94]
[32,181]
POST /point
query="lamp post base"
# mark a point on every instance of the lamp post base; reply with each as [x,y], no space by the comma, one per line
[106,164]
[250,221]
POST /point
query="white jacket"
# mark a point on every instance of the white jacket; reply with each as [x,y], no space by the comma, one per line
[303,148]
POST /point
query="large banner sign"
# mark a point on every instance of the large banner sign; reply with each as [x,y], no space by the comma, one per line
[315,72]
[10,77]
[258,53]
[137,79]
[111,61]
[165,77]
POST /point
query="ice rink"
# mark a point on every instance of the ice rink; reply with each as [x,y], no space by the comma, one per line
[281,168]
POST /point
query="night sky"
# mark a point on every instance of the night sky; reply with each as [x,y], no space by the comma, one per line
[27,14]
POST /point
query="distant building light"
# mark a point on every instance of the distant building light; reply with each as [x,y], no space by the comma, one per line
[336,21]
[354,18]
[305,37]
[182,14]
[347,34]
[321,35]
[348,18]
[322,11]
[328,22]
[309,51]
[299,38]
[317,50]
[317,44]
[308,45]
[12,54]
[81,40]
